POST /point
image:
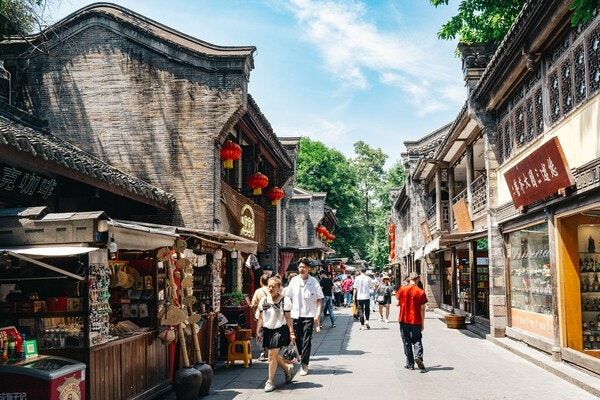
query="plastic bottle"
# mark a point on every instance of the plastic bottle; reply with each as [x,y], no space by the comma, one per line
[61,338]
[5,352]
[19,353]
[12,349]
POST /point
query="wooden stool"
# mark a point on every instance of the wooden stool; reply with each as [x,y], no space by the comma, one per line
[244,355]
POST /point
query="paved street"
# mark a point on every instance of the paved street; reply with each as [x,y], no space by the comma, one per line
[347,362]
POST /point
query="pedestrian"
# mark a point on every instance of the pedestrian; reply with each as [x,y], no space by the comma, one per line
[373,287]
[362,297]
[384,298]
[276,329]
[327,288]
[307,301]
[258,295]
[347,285]
[337,292]
[412,300]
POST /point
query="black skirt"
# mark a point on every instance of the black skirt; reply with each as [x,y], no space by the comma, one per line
[276,338]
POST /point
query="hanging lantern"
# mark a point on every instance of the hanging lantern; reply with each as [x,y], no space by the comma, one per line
[229,153]
[275,194]
[257,182]
[321,230]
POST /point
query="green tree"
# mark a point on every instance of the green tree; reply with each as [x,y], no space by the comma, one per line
[372,186]
[20,17]
[321,169]
[487,21]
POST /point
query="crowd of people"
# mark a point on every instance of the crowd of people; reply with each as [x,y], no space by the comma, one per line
[288,315]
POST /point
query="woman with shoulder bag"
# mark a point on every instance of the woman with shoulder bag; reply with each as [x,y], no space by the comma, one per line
[276,328]
[383,296]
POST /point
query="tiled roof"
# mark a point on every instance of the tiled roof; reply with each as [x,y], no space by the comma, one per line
[26,134]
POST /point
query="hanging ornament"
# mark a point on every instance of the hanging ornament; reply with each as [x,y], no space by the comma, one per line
[257,181]
[229,153]
[275,194]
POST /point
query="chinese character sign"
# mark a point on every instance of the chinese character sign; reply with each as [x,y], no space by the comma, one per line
[540,174]
[17,182]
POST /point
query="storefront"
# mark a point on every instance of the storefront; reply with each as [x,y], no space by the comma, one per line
[81,299]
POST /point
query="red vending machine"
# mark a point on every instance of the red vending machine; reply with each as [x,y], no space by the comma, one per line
[43,378]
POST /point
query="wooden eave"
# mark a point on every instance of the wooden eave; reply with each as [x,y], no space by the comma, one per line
[157,37]
[534,30]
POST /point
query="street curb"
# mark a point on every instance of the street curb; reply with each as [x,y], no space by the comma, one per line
[585,380]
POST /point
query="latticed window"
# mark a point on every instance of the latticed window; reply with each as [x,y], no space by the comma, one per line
[572,77]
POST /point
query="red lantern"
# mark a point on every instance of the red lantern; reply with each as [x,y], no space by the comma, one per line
[392,228]
[275,194]
[321,230]
[257,182]
[230,152]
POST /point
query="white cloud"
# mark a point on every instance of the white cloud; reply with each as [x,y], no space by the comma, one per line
[353,47]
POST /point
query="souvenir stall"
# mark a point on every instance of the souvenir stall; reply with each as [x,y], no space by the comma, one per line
[92,296]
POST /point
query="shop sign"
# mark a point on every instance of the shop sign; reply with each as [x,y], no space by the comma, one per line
[462,216]
[426,231]
[248,224]
[542,173]
[20,183]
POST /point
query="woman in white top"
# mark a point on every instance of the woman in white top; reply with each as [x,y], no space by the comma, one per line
[276,327]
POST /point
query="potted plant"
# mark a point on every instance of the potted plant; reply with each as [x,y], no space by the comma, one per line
[233,299]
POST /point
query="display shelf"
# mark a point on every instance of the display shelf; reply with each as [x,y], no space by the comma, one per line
[530,270]
[589,284]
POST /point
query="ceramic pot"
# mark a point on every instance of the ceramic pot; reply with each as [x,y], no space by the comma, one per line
[207,377]
[187,383]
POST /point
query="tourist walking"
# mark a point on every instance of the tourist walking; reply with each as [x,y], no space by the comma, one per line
[362,296]
[347,284]
[258,295]
[412,300]
[383,295]
[327,287]
[276,329]
[337,292]
[307,300]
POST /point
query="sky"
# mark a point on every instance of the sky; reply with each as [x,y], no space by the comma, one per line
[336,71]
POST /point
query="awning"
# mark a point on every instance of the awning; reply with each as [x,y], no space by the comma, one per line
[136,236]
[419,253]
[432,246]
[51,251]
[454,238]
[226,240]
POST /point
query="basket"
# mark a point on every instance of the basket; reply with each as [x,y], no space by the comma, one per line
[455,321]
[243,334]
[230,336]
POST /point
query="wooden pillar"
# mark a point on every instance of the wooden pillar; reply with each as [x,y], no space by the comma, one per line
[438,198]
[470,177]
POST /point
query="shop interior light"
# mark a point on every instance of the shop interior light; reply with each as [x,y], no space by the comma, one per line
[234,253]
[218,254]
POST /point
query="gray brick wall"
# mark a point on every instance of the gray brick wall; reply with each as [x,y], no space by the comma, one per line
[139,111]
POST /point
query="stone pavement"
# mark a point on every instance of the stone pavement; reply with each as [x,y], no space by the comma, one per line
[347,362]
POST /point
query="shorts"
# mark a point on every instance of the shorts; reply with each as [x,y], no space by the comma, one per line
[276,338]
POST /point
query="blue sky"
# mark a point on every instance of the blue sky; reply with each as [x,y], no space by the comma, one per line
[337,71]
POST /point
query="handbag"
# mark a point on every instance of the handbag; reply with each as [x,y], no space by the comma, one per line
[380,299]
[290,353]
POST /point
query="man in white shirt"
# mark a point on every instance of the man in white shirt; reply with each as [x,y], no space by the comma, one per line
[307,300]
[362,294]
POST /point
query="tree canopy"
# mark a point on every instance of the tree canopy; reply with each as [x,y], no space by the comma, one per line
[357,189]
[488,21]
[20,17]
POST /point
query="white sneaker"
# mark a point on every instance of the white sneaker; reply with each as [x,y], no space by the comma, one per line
[269,386]
[304,370]
[362,327]
[381,319]
[367,325]
[386,321]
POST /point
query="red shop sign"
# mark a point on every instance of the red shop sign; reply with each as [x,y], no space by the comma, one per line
[540,174]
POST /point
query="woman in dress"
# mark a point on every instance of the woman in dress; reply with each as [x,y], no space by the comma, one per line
[276,327]
[384,297]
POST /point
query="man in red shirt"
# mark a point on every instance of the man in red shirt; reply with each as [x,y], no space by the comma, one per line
[412,300]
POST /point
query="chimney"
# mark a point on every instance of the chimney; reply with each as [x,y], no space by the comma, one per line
[4,83]
[475,57]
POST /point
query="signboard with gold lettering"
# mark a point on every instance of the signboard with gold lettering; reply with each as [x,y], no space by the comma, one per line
[540,174]
[250,219]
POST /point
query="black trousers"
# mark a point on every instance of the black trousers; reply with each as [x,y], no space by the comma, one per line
[364,310]
[303,328]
